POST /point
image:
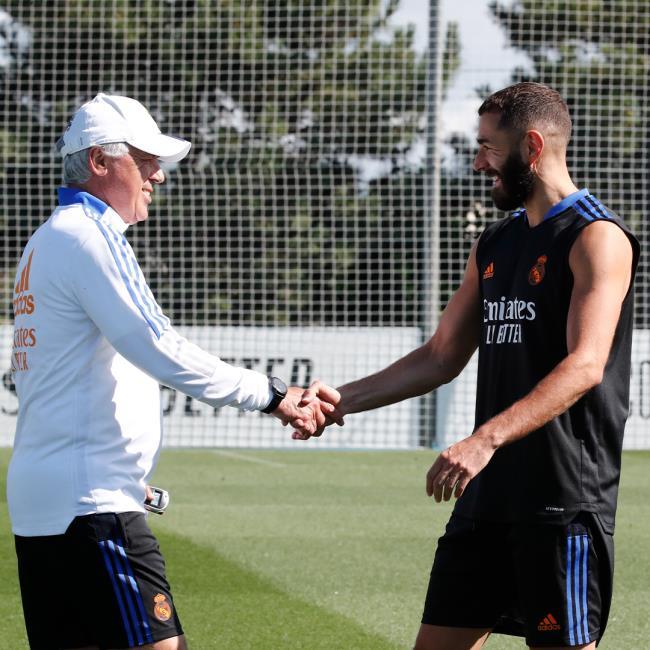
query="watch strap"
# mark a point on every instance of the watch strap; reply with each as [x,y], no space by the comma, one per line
[279,390]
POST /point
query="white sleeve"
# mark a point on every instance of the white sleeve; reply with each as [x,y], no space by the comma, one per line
[110,287]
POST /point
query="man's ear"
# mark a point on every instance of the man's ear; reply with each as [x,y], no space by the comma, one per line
[97,161]
[534,145]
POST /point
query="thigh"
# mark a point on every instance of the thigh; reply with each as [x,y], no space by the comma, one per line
[47,573]
[471,583]
[148,568]
[434,637]
[135,606]
[102,584]
[564,581]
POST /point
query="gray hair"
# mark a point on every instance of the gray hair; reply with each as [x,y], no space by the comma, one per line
[75,165]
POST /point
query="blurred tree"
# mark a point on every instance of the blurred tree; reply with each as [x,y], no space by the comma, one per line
[277,217]
[596,53]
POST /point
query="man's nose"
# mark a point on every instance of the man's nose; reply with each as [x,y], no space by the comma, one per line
[479,161]
[158,175]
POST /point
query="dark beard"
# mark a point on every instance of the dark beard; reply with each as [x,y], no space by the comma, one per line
[517,182]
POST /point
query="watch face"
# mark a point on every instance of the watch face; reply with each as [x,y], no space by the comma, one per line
[278,386]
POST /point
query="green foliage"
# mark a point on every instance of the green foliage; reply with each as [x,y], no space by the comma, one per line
[451,57]
[277,98]
[596,54]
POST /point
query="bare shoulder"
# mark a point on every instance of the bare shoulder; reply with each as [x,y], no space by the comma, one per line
[471,258]
[603,244]
[469,286]
[602,255]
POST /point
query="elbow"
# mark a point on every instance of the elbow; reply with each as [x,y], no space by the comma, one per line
[591,373]
[448,374]
[594,376]
[445,368]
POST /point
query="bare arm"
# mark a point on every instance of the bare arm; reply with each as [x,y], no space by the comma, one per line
[435,363]
[601,263]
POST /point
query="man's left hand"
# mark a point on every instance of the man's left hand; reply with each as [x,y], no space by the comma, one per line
[457,466]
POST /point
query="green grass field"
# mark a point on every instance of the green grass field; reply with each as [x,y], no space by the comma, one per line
[331,550]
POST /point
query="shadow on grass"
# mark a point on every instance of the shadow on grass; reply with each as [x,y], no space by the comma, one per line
[225,606]
[221,605]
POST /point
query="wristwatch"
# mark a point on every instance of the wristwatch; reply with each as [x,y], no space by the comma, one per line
[279,390]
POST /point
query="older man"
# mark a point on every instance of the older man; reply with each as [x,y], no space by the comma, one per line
[91,346]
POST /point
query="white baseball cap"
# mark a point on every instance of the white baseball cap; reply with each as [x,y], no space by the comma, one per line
[113,118]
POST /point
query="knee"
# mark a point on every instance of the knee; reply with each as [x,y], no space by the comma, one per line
[175,643]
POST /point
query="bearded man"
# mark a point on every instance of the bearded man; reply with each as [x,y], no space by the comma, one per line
[547,300]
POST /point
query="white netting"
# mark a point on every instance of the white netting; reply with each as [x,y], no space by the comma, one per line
[597,55]
[324,214]
[290,239]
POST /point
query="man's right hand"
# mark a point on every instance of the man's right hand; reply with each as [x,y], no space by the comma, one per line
[319,393]
[311,417]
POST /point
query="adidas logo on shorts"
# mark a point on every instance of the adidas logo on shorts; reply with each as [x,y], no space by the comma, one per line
[548,624]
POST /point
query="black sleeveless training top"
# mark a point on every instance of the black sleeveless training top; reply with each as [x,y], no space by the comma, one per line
[572,463]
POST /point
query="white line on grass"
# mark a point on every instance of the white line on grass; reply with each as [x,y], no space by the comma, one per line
[250,459]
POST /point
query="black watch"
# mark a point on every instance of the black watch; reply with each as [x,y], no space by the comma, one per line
[279,389]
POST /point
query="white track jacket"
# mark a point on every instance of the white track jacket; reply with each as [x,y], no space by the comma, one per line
[91,346]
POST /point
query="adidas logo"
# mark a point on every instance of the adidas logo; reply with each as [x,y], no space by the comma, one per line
[23,283]
[489,271]
[548,624]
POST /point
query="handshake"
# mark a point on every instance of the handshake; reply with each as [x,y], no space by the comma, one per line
[310,410]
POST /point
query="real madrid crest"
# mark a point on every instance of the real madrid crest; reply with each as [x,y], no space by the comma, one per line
[162,609]
[537,273]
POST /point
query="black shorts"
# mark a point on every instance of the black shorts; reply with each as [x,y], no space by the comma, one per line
[102,583]
[551,584]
